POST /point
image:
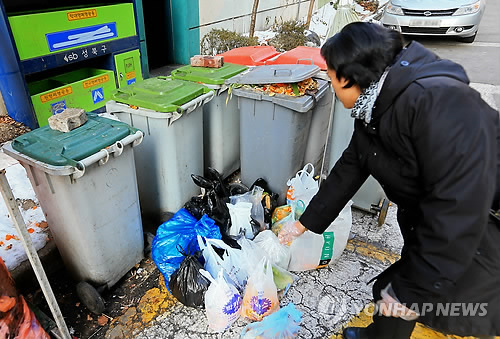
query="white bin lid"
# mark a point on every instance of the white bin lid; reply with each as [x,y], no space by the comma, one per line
[275,74]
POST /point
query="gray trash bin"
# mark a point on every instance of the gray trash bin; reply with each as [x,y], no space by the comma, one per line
[169,111]
[86,183]
[275,129]
[342,127]
[221,117]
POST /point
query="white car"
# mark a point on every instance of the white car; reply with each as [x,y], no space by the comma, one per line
[458,18]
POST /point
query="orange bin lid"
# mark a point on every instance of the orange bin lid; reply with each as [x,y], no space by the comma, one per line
[250,56]
[300,55]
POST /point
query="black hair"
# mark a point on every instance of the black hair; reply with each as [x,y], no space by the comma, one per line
[361,52]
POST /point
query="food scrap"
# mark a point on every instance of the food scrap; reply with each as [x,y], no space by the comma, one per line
[11,237]
[291,89]
[43,224]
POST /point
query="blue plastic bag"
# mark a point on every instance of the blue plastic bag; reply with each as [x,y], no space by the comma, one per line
[180,232]
[282,324]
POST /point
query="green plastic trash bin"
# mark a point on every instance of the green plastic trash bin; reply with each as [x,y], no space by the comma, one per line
[221,121]
[86,183]
[169,111]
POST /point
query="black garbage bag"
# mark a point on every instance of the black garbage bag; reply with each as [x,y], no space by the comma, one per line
[196,207]
[187,284]
[237,188]
[219,187]
[213,202]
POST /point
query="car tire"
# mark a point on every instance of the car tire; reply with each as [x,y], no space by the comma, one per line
[469,39]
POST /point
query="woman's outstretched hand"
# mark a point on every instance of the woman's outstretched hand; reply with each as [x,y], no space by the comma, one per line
[290,232]
[390,306]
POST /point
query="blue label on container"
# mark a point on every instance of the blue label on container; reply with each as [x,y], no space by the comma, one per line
[233,306]
[260,305]
[81,36]
[58,107]
[97,95]
[131,81]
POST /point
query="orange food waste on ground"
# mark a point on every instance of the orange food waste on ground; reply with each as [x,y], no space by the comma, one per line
[30,230]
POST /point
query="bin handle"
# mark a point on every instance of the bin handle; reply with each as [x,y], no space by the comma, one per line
[276,71]
[103,161]
[117,149]
[193,104]
[79,171]
[103,155]
[134,139]
[305,59]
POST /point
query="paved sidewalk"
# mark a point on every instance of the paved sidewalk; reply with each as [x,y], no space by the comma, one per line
[329,298]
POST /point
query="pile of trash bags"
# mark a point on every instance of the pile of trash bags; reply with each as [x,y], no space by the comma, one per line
[221,252]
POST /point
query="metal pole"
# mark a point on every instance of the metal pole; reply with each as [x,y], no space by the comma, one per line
[18,220]
[327,142]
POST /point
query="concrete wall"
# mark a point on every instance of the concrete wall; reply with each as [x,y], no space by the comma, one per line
[235,15]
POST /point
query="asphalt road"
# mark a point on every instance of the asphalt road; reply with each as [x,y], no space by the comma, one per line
[481,59]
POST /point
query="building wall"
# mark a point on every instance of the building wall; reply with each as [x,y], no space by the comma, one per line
[235,15]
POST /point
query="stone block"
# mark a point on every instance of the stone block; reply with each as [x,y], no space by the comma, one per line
[207,61]
[68,120]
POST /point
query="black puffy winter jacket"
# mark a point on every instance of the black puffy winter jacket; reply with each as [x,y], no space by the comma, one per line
[433,146]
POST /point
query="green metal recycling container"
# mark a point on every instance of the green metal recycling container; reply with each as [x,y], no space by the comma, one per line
[85,88]
[86,183]
[221,116]
[169,111]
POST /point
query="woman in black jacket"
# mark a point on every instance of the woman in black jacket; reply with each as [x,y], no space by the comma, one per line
[432,143]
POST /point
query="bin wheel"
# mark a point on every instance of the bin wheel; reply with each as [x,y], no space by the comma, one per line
[384,206]
[90,297]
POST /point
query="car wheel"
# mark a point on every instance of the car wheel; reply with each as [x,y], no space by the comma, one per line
[469,39]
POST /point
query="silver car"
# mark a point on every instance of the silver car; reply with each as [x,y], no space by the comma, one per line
[458,18]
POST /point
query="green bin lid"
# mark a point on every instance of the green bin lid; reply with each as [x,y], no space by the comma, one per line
[65,149]
[210,76]
[162,94]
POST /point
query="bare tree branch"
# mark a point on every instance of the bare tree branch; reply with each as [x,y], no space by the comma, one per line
[254,16]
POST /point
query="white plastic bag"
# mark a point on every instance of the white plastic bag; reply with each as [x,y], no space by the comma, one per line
[310,250]
[254,197]
[233,262]
[305,252]
[261,296]
[251,253]
[302,186]
[341,227]
[222,302]
[241,219]
[273,250]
